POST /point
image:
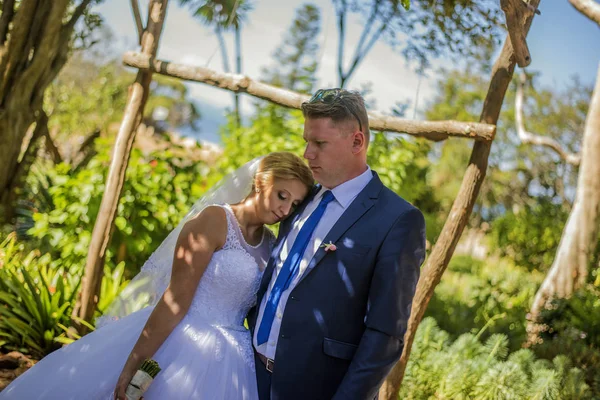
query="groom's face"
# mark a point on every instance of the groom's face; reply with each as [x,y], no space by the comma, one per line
[328,151]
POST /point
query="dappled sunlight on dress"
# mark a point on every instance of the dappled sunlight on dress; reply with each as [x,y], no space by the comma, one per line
[207,356]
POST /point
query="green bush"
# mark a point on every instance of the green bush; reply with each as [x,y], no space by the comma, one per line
[37,299]
[470,369]
[530,237]
[158,191]
[572,327]
[492,295]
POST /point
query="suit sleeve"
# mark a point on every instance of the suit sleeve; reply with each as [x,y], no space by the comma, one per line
[392,289]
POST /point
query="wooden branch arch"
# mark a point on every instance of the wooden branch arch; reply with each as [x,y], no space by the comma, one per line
[481,132]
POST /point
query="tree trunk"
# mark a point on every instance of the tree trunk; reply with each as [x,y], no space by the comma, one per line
[238,70]
[569,270]
[32,53]
[28,158]
[132,117]
[461,210]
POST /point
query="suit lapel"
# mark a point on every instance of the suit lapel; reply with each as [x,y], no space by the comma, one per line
[361,204]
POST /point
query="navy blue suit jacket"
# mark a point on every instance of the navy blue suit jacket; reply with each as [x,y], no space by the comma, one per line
[343,326]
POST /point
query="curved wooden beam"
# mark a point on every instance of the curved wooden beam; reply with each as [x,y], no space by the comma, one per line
[589,8]
[432,130]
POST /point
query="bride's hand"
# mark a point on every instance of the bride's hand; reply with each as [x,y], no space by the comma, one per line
[122,384]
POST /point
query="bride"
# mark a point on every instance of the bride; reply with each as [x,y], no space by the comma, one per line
[195,330]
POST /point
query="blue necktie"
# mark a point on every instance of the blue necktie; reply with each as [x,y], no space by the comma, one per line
[291,267]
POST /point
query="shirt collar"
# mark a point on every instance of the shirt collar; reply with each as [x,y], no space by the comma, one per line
[347,191]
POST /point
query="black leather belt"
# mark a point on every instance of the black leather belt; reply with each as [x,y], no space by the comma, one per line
[269,363]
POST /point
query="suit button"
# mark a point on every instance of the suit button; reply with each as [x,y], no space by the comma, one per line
[283,336]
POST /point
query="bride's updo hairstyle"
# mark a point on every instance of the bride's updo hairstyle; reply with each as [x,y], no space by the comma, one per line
[282,165]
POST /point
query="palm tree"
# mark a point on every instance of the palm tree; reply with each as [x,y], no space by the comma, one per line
[224,16]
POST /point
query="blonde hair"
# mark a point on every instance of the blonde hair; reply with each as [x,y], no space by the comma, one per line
[282,165]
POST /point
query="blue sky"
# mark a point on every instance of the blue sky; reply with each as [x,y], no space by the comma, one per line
[562,43]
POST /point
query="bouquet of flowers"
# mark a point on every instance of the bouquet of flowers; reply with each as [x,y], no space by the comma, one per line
[142,380]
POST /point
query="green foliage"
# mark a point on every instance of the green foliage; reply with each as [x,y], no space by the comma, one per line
[403,166]
[159,189]
[86,97]
[484,297]
[37,299]
[530,236]
[91,94]
[572,327]
[272,128]
[518,175]
[227,14]
[469,369]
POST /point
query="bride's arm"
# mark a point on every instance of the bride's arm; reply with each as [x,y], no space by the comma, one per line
[198,240]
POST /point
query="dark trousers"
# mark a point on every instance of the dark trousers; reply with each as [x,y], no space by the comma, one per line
[263,379]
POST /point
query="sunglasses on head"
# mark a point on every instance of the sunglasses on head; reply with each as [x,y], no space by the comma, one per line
[330,96]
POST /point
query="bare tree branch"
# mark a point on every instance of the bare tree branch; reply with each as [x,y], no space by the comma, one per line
[432,130]
[8,10]
[343,8]
[51,147]
[360,56]
[86,151]
[530,138]
[77,14]
[367,29]
[135,8]
[589,8]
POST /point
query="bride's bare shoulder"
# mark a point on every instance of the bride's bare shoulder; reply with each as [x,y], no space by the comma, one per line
[210,223]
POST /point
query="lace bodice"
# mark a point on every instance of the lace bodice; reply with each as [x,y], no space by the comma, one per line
[229,285]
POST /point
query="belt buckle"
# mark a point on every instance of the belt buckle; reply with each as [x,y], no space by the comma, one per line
[270,365]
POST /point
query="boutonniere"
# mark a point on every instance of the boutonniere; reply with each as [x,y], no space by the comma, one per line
[329,246]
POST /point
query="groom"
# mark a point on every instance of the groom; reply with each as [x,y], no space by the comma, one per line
[335,297]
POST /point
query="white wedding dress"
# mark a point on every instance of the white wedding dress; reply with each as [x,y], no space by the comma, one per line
[208,355]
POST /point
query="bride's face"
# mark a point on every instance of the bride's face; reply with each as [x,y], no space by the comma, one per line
[277,201]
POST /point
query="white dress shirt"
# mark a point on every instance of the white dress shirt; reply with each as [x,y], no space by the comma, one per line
[344,195]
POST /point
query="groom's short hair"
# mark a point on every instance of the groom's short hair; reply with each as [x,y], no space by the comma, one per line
[344,106]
